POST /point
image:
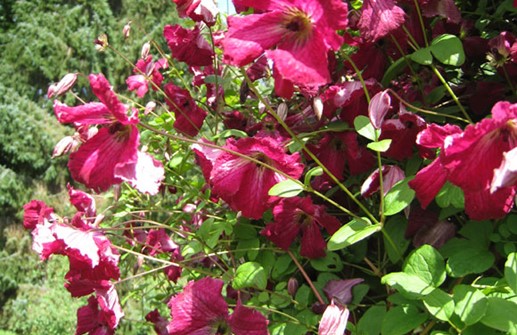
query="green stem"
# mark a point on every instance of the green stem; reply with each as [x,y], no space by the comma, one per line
[452,94]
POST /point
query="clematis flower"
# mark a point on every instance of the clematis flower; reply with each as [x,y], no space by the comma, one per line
[296,35]
[102,314]
[188,46]
[293,216]
[201,309]
[111,155]
[197,10]
[334,320]
[475,160]
[189,117]
[242,183]
[146,71]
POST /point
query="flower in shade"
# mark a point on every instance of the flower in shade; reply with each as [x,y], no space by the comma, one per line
[201,309]
[189,116]
[296,35]
[111,155]
[242,183]
[295,216]
[476,160]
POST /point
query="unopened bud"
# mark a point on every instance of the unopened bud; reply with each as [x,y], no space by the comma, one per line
[292,286]
[145,50]
[126,30]
[101,43]
[65,146]
[151,105]
[63,86]
[317,106]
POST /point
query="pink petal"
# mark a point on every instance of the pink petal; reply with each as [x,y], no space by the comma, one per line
[95,161]
[247,321]
[102,89]
[483,205]
[139,83]
[249,36]
[428,182]
[379,18]
[90,113]
[334,320]
[506,174]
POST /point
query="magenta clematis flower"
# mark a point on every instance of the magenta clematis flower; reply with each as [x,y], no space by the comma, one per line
[146,71]
[111,155]
[102,314]
[476,160]
[242,183]
[201,310]
[188,46]
[293,216]
[296,35]
[189,117]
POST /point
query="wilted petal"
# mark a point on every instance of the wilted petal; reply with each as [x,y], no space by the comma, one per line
[341,290]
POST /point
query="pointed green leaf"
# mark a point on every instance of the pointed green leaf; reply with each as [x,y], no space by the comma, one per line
[399,197]
[422,56]
[380,146]
[510,271]
[439,304]
[364,127]
[353,232]
[448,49]
[471,304]
[250,275]
[286,189]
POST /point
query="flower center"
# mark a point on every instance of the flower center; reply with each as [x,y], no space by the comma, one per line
[119,131]
[297,23]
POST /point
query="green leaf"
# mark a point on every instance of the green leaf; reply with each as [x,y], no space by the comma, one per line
[395,228]
[448,50]
[250,275]
[337,126]
[426,263]
[466,257]
[450,195]
[353,232]
[510,271]
[286,189]
[369,323]
[409,285]
[364,127]
[501,315]
[422,56]
[316,171]
[399,197]
[439,304]
[330,263]
[471,304]
[393,70]
[380,146]
[402,320]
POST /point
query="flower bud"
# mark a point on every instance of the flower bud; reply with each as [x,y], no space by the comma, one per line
[151,105]
[378,108]
[145,50]
[317,106]
[63,86]
[292,286]
[65,146]
[126,30]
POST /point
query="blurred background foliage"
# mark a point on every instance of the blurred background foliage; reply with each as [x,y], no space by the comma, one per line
[41,41]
